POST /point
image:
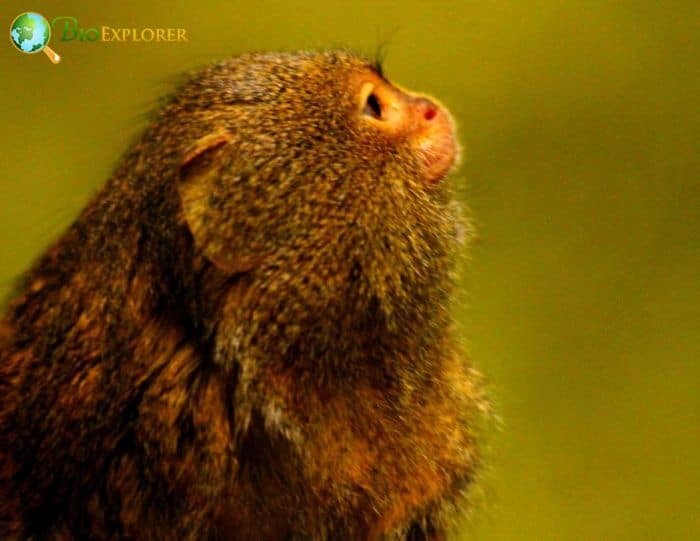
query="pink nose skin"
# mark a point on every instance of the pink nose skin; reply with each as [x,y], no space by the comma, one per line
[435,139]
[428,109]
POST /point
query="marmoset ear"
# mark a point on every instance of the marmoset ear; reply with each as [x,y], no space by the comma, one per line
[211,218]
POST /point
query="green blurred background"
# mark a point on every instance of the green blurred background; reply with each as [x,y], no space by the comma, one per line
[581,131]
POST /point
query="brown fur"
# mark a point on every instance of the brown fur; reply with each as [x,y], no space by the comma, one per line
[246,334]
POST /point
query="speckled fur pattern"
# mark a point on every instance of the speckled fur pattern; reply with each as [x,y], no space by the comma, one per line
[247,336]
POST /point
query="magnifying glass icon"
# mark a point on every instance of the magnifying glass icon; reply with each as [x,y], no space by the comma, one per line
[30,33]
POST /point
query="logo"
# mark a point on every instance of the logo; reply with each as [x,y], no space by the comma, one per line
[30,33]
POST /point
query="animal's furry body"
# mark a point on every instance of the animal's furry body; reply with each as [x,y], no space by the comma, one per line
[244,337]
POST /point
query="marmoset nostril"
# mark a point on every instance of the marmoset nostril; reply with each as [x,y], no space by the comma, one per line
[425,108]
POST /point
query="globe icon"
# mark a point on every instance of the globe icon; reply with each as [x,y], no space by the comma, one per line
[30,33]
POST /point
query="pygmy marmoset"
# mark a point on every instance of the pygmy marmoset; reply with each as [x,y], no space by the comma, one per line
[246,334]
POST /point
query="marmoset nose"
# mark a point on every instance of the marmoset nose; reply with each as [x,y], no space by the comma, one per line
[434,137]
[425,123]
[427,109]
